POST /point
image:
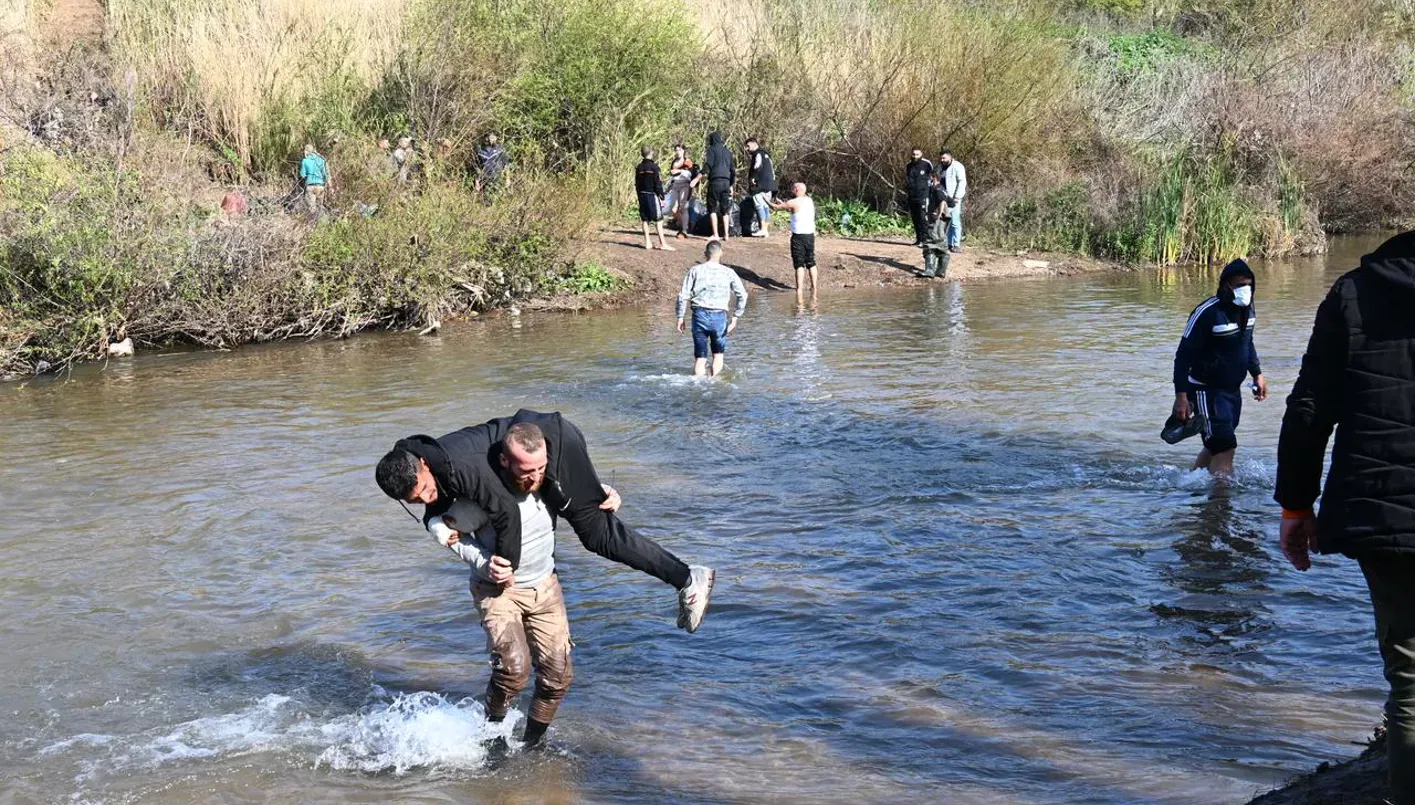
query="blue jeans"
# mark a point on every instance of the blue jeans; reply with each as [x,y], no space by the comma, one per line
[709,332]
[763,204]
[955,225]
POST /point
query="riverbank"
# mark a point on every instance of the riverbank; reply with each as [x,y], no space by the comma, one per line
[1360,781]
[764,264]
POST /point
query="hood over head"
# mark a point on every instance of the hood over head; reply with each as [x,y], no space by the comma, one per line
[1394,262]
[714,139]
[1237,268]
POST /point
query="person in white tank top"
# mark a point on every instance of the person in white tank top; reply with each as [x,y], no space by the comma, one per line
[803,235]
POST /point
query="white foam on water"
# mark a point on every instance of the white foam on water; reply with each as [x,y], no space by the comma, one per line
[394,734]
[417,730]
[677,381]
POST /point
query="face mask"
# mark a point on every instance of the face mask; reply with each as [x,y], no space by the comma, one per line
[1243,297]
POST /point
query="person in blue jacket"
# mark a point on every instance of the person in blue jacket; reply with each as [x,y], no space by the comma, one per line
[1214,356]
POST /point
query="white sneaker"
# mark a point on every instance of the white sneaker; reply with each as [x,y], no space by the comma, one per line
[693,599]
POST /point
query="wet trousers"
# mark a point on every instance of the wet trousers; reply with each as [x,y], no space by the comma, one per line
[525,628]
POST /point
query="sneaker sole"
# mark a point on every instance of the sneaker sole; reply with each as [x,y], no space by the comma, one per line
[707,600]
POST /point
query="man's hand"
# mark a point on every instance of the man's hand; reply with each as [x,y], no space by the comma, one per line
[1181,406]
[681,326]
[732,325]
[453,539]
[1262,387]
[1298,537]
[500,572]
[613,501]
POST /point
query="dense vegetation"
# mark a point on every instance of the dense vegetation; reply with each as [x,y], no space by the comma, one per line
[1145,130]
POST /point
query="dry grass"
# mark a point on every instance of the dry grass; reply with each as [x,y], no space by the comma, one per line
[255,77]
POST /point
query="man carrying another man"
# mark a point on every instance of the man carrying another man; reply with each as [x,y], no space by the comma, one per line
[708,289]
[492,494]
[936,241]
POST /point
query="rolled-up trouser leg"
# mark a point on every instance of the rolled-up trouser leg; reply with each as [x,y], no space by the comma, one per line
[502,614]
[548,633]
[1391,580]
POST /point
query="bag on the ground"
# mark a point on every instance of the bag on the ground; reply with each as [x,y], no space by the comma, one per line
[698,223]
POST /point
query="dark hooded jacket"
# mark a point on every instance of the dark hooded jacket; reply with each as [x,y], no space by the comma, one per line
[466,464]
[1217,348]
[717,163]
[1358,377]
[761,173]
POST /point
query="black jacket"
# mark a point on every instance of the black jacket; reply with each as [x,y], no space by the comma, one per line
[466,464]
[916,178]
[1358,377]
[1217,349]
[647,178]
[717,163]
[761,174]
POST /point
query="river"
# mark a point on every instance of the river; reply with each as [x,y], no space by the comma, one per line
[956,564]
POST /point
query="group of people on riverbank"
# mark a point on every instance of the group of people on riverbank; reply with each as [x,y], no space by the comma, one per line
[934,195]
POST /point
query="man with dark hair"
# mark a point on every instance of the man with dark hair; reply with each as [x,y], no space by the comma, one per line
[1358,378]
[953,177]
[648,183]
[470,464]
[721,175]
[1214,354]
[761,183]
[916,186]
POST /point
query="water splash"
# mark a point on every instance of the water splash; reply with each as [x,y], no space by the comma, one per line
[393,734]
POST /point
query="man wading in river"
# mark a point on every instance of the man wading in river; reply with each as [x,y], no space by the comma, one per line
[1358,378]
[1214,355]
[476,463]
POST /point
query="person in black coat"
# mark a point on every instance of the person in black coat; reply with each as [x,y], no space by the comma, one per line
[1358,380]
[721,176]
[474,464]
[916,186]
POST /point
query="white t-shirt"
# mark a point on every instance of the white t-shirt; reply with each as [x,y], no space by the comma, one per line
[537,544]
[803,215]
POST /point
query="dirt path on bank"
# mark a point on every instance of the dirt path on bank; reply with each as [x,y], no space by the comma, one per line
[765,264]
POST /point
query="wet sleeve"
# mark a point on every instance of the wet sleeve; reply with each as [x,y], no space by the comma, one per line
[686,293]
[1196,330]
[741,292]
[1312,409]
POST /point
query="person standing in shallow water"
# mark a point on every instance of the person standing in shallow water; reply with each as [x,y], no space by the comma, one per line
[1358,379]
[1215,353]
[708,289]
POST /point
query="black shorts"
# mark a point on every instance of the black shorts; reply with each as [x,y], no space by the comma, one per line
[803,250]
[650,208]
[719,197]
[1223,409]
